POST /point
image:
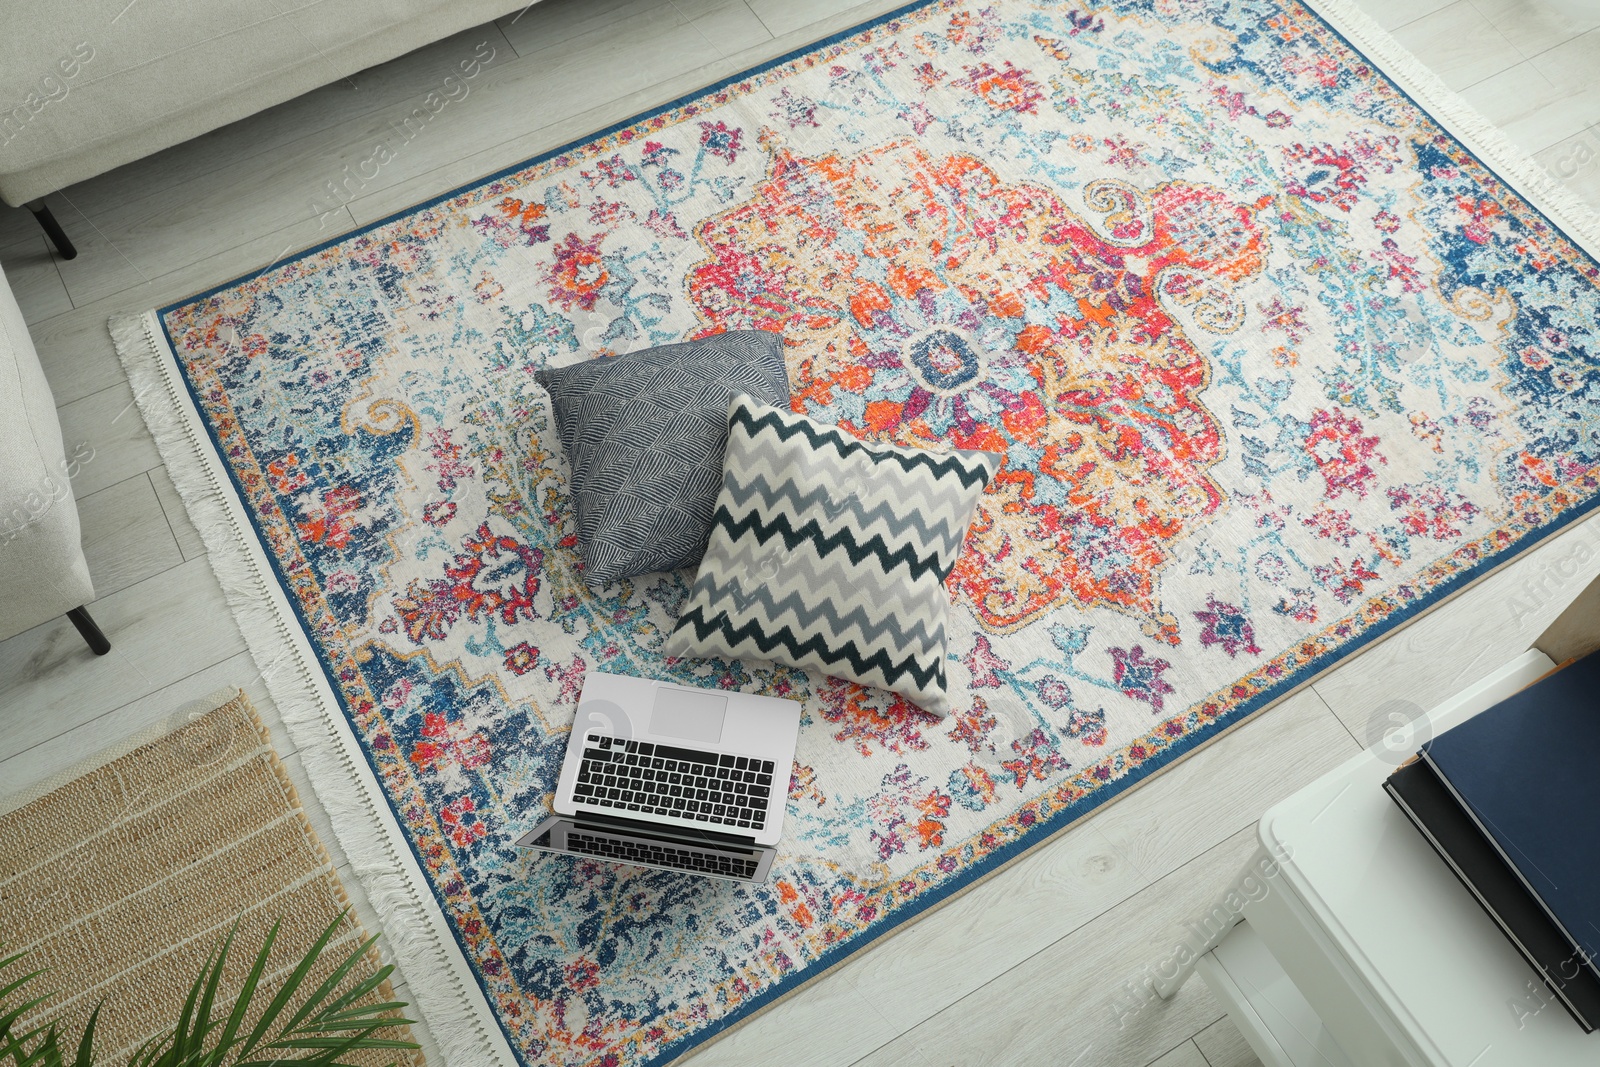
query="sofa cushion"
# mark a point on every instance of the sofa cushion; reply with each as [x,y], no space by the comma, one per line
[832,554]
[88,87]
[643,433]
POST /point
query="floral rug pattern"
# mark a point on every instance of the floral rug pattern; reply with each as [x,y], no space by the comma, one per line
[1274,363]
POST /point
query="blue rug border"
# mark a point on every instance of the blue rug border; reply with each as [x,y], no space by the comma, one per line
[1040,832]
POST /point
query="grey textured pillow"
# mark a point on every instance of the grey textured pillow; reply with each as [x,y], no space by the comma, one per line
[644,433]
[832,554]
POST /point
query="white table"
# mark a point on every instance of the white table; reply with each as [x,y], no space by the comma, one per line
[1359,947]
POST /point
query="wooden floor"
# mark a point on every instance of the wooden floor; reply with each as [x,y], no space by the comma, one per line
[1031,966]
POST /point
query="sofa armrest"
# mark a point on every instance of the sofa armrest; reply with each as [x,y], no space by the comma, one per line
[43,573]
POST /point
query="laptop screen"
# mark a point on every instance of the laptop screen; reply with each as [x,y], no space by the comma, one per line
[630,846]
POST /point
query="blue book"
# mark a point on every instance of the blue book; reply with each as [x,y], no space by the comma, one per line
[1527,771]
[1496,887]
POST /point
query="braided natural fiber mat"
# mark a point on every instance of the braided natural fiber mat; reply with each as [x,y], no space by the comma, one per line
[124,879]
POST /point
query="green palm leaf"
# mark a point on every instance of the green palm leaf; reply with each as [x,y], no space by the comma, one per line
[331,983]
[85,1056]
[290,986]
[326,1023]
[241,1005]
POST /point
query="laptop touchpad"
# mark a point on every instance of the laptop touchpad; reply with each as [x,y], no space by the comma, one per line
[689,715]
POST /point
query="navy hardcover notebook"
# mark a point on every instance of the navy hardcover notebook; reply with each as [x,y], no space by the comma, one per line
[1496,887]
[1528,773]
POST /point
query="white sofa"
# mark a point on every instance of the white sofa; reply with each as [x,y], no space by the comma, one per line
[90,85]
[43,574]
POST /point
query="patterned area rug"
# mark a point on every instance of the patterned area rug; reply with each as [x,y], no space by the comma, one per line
[1274,360]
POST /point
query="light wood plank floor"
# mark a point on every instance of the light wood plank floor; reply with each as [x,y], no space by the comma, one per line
[1031,967]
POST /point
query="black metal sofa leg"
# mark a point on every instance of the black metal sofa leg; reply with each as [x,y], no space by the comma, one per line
[53,230]
[91,633]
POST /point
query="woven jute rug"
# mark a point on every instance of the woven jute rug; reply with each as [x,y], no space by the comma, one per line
[124,879]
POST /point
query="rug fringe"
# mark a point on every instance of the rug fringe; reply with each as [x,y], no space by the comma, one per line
[416,933]
[1445,106]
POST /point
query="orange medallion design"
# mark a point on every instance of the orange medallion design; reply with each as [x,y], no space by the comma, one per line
[925,301]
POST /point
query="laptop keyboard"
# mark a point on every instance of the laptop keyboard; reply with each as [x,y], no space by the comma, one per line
[684,859]
[708,787]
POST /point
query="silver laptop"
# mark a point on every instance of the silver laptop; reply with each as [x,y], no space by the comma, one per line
[673,777]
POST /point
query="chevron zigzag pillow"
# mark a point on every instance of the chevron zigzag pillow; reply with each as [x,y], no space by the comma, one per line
[830,554]
[643,436]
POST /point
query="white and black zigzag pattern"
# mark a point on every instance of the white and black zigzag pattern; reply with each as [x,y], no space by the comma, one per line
[831,554]
[644,433]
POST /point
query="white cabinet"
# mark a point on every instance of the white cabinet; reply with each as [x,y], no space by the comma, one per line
[1361,947]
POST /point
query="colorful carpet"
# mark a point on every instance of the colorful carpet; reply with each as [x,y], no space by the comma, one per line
[1274,360]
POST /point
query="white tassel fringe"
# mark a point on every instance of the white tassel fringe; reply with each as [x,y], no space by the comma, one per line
[1497,151]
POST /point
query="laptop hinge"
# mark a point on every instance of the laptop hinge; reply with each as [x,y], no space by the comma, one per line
[681,833]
